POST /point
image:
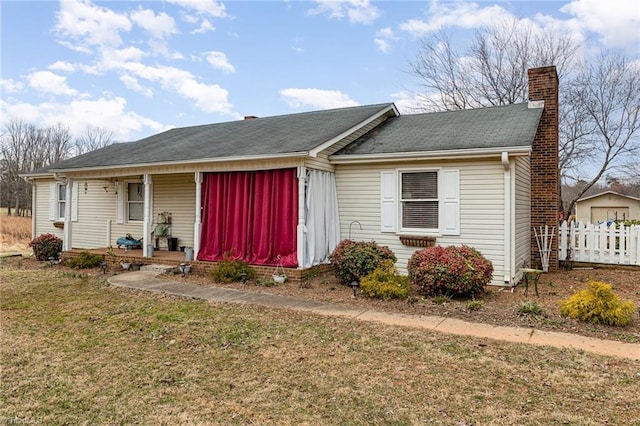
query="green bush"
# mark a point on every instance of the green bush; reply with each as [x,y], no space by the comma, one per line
[531,307]
[85,260]
[385,283]
[353,260]
[46,246]
[454,271]
[229,271]
[598,304]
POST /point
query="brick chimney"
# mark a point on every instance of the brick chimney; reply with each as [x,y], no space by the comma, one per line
[543,86]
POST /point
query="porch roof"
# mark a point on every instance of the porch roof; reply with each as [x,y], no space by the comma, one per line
[282,135]
[501,127]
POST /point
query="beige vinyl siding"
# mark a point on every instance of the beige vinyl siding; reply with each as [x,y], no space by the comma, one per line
[41,210]
[176,194]
[95,207]
[321,162]
[522,218]
[481,208]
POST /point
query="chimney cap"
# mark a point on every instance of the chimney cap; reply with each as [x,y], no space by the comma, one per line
[250,117]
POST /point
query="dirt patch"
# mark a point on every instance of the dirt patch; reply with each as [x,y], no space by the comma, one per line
[497,306]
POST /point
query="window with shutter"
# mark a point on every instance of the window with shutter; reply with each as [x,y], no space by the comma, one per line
[419,202]
[135,201]
[62,200]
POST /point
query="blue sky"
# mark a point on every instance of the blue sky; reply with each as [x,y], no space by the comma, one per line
[140,67]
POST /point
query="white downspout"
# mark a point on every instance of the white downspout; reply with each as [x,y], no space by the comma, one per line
[507,218]
[66,239]
[301,229]
[33,207]
[109,232]
[148,217]
[197,225]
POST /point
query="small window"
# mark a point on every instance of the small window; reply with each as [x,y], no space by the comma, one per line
[62,200]
[135,201]
[419,200]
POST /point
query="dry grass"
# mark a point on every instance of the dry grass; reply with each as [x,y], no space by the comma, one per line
[74,350]
[15,234]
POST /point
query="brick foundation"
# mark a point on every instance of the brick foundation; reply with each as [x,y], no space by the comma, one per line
[543,86]
[203,268]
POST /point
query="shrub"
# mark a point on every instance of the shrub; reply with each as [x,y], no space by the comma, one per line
[229,271]
[85,260]
[385,283]
[531,307]
[474,305]
[598,304]
[454,271]
[46,246]
[353,260]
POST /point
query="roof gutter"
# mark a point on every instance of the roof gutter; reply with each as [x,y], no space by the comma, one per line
[431,155]
[56,172]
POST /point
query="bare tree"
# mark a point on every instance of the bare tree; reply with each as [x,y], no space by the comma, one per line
[598,109]
[606,92]
[493,69]
[93,138]
[23,148]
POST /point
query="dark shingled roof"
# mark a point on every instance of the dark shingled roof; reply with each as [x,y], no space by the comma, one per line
[495,127]
[284,134]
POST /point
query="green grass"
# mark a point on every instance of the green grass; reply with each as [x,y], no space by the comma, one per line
[74,350]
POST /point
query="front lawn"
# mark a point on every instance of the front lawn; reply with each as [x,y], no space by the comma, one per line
[74,350]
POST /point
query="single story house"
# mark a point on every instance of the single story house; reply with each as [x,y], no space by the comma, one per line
[607,206]
[285,190]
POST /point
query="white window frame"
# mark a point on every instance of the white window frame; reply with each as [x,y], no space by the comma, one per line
[401,202]
[448,181]
[128,202]
[61,188]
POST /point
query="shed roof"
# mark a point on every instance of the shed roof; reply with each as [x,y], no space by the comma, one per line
[482,128]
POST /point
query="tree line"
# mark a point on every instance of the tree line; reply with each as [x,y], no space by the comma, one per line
[25,147]
[599,99]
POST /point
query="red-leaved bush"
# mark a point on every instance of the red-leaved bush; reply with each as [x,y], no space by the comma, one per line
[46,246]
[353,260]
[454,271]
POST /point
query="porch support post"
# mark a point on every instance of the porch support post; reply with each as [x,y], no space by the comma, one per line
[66,239]
[147,223]
[197,224]
[508,235]
[301,229]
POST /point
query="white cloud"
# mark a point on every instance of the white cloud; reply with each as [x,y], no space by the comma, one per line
[460,14]
[205,26]
[616,23]
[62,66]
[48,82]
[132,83]
[383,39]
[357,11]
[203,7]
[10,86]
[219,61]
[316,98]
[89,25]
[107,112]
[159,26]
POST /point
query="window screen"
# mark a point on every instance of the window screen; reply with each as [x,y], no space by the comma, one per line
[135,201]
[419,200]
[62,200]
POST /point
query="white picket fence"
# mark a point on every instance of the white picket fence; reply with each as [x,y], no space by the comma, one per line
[599,243]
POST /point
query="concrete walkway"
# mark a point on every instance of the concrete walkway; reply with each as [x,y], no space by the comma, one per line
[148,280]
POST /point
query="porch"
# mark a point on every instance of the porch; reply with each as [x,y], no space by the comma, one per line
[175,258]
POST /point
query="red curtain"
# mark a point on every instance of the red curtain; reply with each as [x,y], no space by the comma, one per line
[250,216]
